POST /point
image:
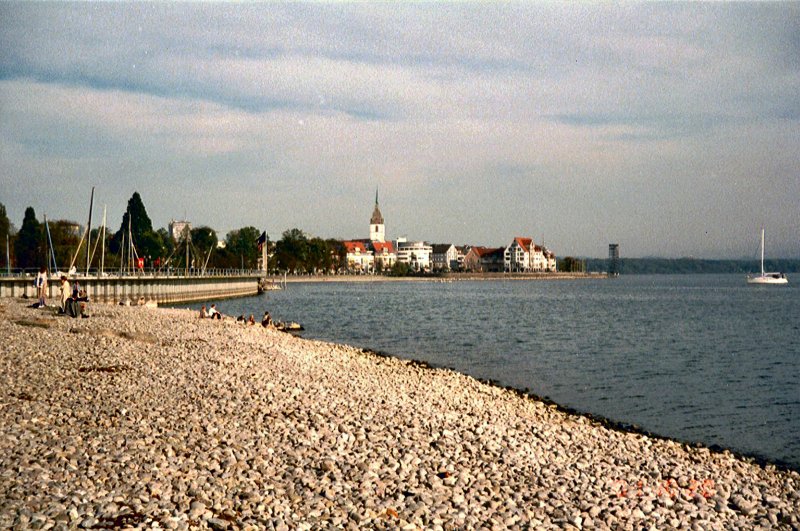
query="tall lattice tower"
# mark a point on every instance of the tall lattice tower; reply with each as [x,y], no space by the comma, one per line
[613,260]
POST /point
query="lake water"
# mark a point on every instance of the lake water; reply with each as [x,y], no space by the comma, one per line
[701,358]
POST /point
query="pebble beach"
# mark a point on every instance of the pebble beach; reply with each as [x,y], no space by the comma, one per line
[152,418]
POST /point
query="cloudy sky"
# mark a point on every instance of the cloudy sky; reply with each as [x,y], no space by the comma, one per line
[673,129]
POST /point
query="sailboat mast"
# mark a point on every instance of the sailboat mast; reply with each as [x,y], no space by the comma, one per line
[762,252]
[103,253]
[89,234]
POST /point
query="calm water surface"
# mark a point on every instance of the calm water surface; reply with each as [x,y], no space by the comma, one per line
[702,358]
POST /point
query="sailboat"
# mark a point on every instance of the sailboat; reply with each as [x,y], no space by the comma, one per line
[766,278]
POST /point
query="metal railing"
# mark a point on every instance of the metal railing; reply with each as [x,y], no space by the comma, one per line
[146,272]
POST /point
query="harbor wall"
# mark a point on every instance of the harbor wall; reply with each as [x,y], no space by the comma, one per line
[162,290]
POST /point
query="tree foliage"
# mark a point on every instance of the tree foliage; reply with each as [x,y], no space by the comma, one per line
[292,251]
[29,247]
[65,236]
[148,243]
[570,264]
[5,232]
[400,269]
[241,249]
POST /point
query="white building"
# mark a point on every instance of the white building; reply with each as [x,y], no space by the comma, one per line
[416,254]
[550,258]
[177,229]
[518,255]
[359,257]
[538,260]
[444,257]
[384,255]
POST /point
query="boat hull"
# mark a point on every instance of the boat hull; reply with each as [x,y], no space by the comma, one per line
[768,278]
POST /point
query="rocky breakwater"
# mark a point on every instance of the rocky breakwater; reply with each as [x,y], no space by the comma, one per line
[140,417]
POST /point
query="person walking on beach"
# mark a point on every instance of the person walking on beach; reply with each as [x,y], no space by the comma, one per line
[41,286]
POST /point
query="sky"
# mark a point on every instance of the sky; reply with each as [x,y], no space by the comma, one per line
[672,129]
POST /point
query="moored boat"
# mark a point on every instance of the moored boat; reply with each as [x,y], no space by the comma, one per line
[766,278]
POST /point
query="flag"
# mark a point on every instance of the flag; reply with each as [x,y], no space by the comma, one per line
[261,240]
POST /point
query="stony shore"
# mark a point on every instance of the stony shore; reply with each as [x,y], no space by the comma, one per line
[140,417]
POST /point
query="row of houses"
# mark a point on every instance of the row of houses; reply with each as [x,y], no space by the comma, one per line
[521,256]
[376,254]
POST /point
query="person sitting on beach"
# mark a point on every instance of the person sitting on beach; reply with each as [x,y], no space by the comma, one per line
[214,313]
[241,320]
[203,313]
[252,320]
[81,299]
[267,320]
[65,293]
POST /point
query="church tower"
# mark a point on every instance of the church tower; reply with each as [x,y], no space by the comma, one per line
[377,231]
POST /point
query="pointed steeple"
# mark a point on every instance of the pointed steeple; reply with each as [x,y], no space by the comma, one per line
[377,217]
[377,231]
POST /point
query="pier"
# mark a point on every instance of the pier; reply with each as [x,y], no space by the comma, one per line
[161,289]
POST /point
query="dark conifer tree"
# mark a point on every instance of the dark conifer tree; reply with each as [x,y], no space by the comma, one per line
[29,247]
[5,232]
[148,243]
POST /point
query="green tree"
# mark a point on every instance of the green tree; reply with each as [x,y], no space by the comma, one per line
[29,247]
[5,232]
[241,247]
[167,242]
[569,264]
[400,269]
[66,236]
[319,256]
[291,251]
[338,254]
[204,241]
[150,247]
[147,242]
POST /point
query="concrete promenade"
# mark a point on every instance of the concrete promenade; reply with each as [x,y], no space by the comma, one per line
[152,288]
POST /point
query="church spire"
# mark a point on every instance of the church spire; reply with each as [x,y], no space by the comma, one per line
[377,230]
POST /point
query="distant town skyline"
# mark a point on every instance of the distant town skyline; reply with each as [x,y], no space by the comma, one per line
[669,128]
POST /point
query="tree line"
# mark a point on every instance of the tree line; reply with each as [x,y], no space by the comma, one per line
[195,249]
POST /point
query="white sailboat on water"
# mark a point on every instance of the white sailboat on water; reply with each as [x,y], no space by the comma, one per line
[766,278]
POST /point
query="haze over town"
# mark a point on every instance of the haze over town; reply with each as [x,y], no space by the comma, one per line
[669,128]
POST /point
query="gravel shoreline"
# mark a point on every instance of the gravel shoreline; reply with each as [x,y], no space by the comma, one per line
[140,417]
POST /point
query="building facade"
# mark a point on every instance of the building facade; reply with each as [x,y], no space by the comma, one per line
[177,229]
[485,260]
[517,257]
[359,258]
[416,254]
[384,255]
[444,257]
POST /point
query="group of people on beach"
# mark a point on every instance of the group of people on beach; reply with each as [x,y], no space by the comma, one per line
[73,301]
[213,313]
